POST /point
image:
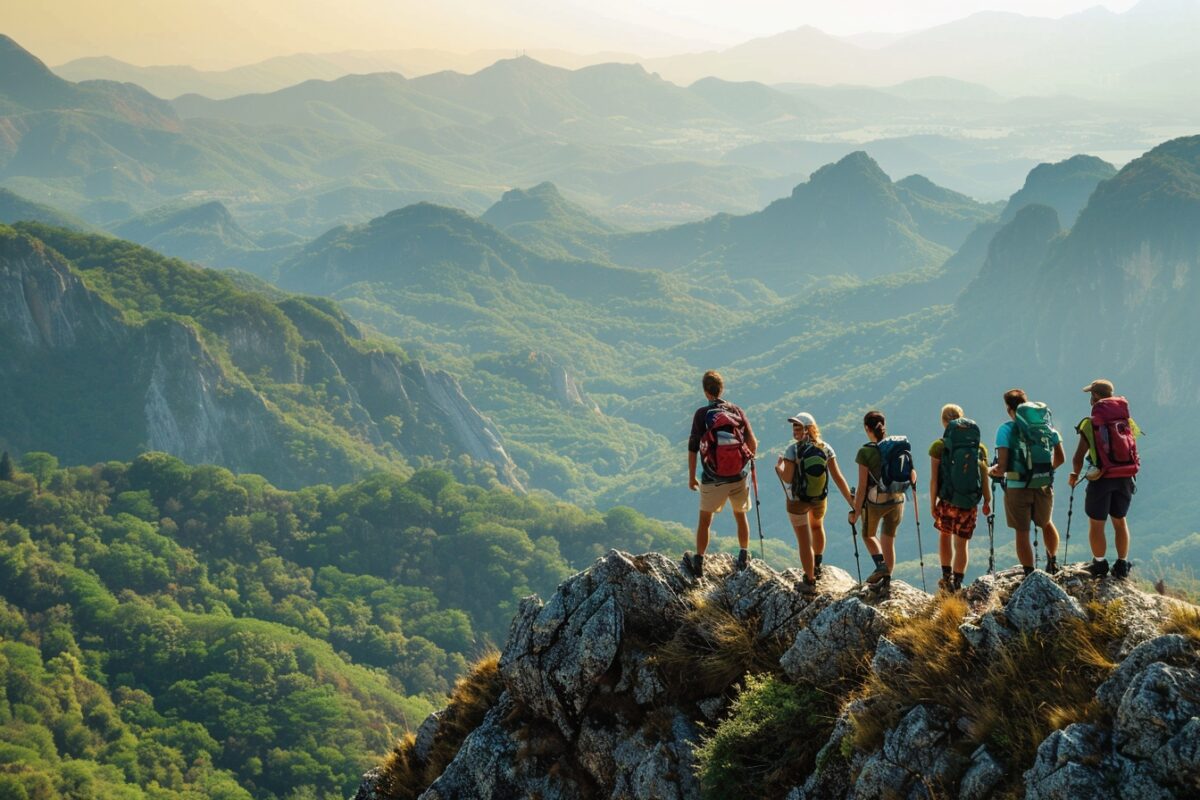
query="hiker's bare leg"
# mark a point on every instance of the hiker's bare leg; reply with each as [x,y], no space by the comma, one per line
[1050,533]
[889,552]
[961,553]
[1024,548]
[1096,537]
[804,544]
[817,526]
[743,529]
[945,549]
[1121,537]
[702,528]
[870,523]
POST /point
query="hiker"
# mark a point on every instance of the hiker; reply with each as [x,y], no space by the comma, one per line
[1112,461]
[957,480]
[1028,450]
[805,469]
[885,473]
[722,439]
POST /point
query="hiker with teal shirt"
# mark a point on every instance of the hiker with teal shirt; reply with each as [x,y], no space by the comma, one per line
[722,441]
[1028,450]
[957,481]
[885,473]
[805,470]
[1112,461]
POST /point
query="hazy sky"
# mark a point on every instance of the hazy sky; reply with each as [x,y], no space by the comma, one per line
[223,33]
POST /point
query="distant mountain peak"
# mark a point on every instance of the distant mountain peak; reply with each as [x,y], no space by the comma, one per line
[26,79]
[856,166]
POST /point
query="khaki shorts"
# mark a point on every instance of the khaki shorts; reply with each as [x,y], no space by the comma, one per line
[889,516]
[714,495]
[798,511]
[1022,506]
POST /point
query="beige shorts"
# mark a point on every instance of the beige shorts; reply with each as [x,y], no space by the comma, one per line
[1022,506]
[889,516]
[799,511]
[714,495]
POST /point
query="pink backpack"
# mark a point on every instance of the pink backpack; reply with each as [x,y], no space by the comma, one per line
[723,446]
[1115,443]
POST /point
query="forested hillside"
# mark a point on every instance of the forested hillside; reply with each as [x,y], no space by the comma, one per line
[173,630]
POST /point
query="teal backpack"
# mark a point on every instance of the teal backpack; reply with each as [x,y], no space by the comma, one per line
[810,481]
[1032,450]
[959,483]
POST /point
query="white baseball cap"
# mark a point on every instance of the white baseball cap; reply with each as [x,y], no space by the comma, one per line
[803,418]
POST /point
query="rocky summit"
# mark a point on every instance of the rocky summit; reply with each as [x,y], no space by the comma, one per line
[639,680]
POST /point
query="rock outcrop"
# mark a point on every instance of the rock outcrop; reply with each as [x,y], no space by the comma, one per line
[591,708]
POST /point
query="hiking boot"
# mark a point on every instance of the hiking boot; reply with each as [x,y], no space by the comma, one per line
[882,585]
[818,571]
[880,573]
[743,560]
[808,588]
[1098,569]
[695,563]
[946,585]
[1052,567]
[1120,569]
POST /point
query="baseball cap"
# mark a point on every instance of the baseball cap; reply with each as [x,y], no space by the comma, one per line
[803,418]
[1100,386]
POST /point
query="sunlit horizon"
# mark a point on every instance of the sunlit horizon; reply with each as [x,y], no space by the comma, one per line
[220,34]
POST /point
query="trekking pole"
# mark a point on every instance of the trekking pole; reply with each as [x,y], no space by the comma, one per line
[854,538]
[991,521]
[1070,511]
[920,549]
[762,550]
[1035,534]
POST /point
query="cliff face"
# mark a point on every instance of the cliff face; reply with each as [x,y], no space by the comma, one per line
[596,702]
[285,390]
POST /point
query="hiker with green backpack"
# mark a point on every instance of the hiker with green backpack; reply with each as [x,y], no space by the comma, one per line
[885,474]
[1028,450]
[805,470]
[957,482]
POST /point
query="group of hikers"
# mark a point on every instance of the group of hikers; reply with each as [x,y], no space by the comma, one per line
[1028,451]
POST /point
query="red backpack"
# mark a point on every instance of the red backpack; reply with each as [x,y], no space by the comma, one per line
[1116,446]
[723,446]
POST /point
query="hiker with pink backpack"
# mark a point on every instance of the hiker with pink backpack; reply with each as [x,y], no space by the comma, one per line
[1108,440]
[724,445]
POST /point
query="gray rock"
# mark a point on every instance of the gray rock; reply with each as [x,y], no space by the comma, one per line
[888,657]
[916,758]
[1039,603]
[1063,768]
[1159,702]
[369,788]
[660,770]
[1178,762]
[982,777]
[426,734]
[835,642]
[1167,649]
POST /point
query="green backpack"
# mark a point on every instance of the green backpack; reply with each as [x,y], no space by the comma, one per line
[1032,450]
[810,481]
[959,483]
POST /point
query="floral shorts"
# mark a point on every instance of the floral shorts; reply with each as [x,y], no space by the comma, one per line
[953,520]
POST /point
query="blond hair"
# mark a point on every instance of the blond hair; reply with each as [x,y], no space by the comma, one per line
[951,411]
[814,434]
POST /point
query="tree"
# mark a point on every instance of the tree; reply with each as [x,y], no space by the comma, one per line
[7,470]
[40,465]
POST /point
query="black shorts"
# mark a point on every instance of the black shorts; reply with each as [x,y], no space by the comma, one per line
[1108,497]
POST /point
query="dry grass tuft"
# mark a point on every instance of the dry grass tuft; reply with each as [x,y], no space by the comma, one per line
[405,776]
[712,650]
[1184,620]
[1012,699]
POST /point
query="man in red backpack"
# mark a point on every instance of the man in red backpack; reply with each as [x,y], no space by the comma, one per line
[1108,439]
[723,443]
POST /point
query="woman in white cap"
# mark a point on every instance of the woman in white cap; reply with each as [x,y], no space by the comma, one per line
[805,469]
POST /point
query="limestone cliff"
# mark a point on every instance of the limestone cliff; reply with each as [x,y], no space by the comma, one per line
[593,702]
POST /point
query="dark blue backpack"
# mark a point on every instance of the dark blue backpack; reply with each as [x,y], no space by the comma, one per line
[896,464]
